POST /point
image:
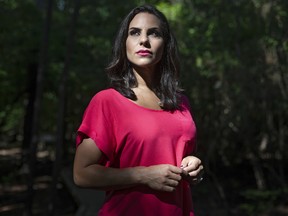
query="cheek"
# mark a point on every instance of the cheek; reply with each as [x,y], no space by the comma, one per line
[128,50]
[129,46]
[160,51]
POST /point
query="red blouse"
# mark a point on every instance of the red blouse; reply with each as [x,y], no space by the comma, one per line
[130,135]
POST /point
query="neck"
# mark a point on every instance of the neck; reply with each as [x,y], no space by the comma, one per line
[145,77]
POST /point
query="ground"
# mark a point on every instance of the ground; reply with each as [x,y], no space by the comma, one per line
[208,200]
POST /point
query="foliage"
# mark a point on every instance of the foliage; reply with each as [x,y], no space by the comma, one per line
[19,38]
[262,200]
[234,69]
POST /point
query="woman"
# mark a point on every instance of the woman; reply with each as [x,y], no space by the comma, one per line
[136,137]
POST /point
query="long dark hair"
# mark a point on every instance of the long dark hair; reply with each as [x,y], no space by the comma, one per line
[120,70]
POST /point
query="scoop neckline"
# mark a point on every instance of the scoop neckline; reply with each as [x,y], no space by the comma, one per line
[135,104]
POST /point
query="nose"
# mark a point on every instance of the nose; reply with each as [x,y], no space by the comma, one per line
[144,40]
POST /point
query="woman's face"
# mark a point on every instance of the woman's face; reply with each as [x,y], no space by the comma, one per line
[144,44]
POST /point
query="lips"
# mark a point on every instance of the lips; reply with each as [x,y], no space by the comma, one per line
[144,52]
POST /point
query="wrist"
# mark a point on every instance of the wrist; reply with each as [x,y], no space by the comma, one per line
[139,176]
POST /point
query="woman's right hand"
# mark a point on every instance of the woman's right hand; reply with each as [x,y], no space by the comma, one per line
[163,177]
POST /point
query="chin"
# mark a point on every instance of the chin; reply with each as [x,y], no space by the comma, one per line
[145,63]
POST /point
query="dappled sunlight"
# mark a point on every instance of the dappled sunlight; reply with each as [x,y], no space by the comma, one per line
[234,63]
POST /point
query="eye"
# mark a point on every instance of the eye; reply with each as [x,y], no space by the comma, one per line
[155,33]
[134,32]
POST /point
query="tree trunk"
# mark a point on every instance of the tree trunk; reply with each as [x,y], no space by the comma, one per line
[258,171]
[29,110]
[43,59]
[60,136]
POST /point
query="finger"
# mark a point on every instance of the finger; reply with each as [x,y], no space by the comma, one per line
[184,173]
[167,188]
[196,162]
[193,167]
[175,170]
[197,172]
[175,177]
[172,183]
[184,163]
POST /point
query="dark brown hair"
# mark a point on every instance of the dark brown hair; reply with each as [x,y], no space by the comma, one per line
[120,71]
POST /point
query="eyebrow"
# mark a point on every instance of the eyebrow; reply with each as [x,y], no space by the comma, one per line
[153,28]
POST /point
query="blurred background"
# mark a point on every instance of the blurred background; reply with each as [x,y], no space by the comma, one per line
[234,68]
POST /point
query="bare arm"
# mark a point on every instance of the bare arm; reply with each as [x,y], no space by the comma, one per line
[88,173]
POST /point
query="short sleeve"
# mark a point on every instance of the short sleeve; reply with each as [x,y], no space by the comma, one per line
[97,124]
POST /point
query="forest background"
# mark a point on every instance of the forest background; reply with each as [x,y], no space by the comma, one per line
[53,55]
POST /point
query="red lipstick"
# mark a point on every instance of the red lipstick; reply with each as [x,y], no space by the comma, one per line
[144,52]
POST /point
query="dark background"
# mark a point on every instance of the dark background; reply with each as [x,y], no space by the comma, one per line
[234,54]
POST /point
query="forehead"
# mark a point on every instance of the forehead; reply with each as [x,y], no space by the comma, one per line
[145,20]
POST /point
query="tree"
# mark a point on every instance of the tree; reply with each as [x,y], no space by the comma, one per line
[35,121]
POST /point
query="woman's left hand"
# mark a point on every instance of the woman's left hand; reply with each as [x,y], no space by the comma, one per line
[193,169]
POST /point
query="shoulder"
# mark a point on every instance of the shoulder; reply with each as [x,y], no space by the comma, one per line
[104,96]
[110,92]
[102,103]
